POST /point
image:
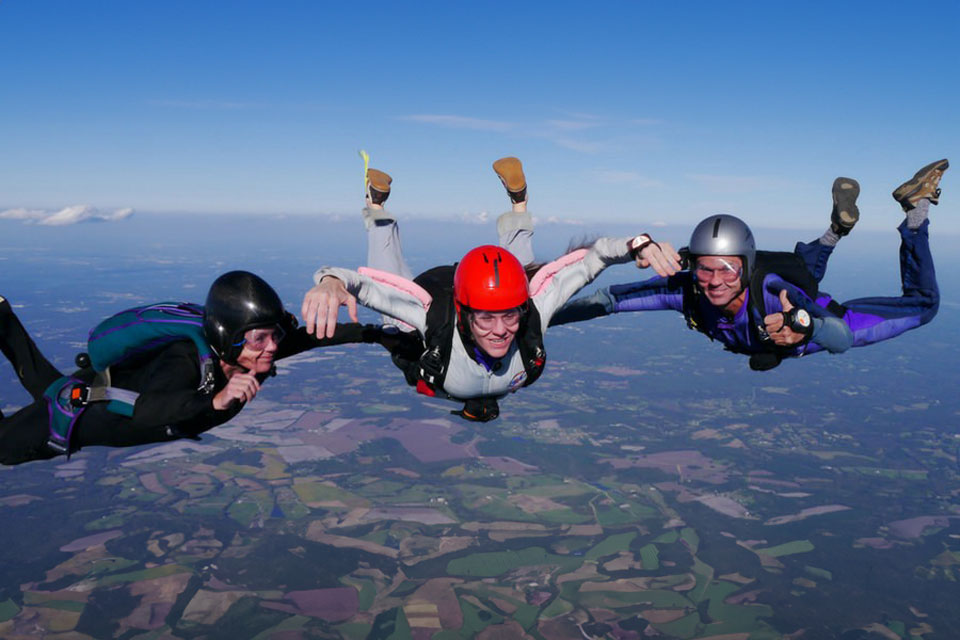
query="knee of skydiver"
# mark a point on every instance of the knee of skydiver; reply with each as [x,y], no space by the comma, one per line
[933,306]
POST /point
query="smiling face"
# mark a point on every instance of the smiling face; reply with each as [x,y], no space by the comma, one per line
[720,278]
[494,331]
[259,348]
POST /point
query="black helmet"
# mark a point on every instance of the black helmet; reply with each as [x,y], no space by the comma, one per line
[724,235]
[238,301]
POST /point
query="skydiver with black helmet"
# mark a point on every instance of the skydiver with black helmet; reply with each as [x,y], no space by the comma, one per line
[160,395]
[767,305]
[470,332]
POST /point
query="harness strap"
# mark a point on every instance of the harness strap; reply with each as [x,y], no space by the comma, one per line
[121,401]
[62,413]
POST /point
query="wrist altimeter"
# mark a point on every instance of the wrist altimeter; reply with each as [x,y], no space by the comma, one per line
[799,320]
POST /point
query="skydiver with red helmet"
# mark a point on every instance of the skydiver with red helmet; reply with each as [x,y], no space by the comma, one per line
[473,331]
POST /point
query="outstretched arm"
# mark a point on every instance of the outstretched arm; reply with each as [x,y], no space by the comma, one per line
[655,294]
[596,305]
[300,339]
[343,287]
[570,273]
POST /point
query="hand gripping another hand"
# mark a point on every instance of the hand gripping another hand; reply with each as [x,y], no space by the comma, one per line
[322,303]
[660,255]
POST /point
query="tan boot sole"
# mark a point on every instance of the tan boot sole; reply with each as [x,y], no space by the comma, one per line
[923,184]
[511,175]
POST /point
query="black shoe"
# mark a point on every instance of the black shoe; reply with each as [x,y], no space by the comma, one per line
[845,212]
[924,184]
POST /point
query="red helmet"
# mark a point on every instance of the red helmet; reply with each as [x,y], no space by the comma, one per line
[490,278]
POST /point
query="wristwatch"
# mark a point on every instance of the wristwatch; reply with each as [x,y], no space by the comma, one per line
[638,244]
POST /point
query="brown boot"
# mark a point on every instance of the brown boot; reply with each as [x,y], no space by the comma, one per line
[924,184]
[378,185]
[511,175]
[845,212]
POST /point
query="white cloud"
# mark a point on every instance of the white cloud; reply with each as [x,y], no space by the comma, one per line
[613,176]
[574,125]
[461,122]
[564,221]
[583,146]
[202,104]
[481,217]
[568,132]
[67,215]
[738,184]
[23,214]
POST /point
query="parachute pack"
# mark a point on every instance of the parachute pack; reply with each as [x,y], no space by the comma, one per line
[119,338]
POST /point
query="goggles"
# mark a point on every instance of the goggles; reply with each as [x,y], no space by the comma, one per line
[258,339]
[487,320]
[728,273]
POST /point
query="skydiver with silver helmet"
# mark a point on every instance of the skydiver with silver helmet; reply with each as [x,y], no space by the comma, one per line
[159,389]
[767,305]
[470,332]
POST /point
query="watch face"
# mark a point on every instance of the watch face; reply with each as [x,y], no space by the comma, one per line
[803,318]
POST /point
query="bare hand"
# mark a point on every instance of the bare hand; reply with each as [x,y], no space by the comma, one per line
[241,387]
[780,333]
[322,303]
[661,256]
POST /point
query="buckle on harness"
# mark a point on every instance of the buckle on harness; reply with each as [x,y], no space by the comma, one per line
[79,395]
[431,366]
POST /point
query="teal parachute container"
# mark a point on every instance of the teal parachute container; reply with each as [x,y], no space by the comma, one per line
[137,331]
[119,338]
[142,329]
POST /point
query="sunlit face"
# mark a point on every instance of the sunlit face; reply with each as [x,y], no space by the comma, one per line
[494,331]
[720,278]
[259,348]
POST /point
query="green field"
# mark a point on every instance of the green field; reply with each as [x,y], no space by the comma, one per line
[488,565]
[608,547]
[311,492]
[787,548]
[650,557]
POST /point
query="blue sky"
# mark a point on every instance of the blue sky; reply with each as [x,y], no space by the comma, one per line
[622,111]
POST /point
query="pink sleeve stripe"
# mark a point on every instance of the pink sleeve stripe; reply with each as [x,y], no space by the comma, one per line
[397,282]
[547,271]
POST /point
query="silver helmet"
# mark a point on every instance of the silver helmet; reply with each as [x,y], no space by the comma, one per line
[724,235]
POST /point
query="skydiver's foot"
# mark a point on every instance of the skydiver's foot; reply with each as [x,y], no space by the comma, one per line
[845,212]
[378,186]
[510,171]
[925,184]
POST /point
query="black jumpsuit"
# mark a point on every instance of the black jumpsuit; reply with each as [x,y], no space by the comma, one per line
[169,405]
